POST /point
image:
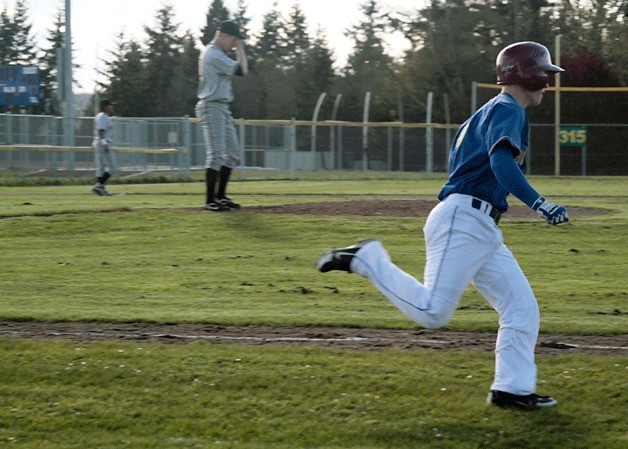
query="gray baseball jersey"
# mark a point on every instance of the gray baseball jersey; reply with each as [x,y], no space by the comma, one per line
[215,72]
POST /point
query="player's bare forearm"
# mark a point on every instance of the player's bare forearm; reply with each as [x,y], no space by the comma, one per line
[242,59]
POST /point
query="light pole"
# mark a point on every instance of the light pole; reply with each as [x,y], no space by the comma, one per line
[69,112]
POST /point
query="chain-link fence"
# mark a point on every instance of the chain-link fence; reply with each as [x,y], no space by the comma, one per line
[35,144]
[31,144]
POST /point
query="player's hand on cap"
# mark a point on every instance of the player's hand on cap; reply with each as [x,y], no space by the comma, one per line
[553,213]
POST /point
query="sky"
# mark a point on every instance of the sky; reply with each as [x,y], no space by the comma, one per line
[95,23]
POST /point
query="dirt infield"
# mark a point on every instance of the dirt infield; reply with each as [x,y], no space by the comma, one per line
[332,337]
[398,208]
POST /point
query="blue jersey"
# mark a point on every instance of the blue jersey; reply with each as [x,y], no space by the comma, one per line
[500,119]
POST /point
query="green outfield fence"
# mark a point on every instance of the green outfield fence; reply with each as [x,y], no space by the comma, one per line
[35,144]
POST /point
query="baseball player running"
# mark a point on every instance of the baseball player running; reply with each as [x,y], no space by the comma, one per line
[462,239]
[104,157]
[216,70]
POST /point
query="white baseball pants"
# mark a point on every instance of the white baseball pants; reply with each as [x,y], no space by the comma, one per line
[220,135]
[464,245]
[104,162]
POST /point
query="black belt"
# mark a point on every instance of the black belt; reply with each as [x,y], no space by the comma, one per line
[494,213]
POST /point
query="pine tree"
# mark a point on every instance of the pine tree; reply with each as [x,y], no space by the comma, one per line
[126,77]
[217,13]
[48,70]
[298,41]
[22,48]
[163,54]
[7,33]
[271,42]
[240,17]
[315,76]
[368,66]
[182,91]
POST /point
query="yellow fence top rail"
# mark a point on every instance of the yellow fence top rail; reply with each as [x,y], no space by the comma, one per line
[566,89]
[90,149]
[341,123]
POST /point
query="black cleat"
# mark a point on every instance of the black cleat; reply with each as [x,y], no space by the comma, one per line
[340,258]
[527,402]
[216,207]
[226,201]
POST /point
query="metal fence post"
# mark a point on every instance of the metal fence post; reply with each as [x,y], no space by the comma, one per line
[402,148]
[340,148]
[51,140]
[242,137]
[429,136]
[528,161]
[9,138]
[389,144]
[365,119]
[292,150]
[24,132]
[474,97]
[584,159]
[184,160]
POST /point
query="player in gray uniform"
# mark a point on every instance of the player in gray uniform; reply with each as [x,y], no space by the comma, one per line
[463,242]
[104,157]
[215,94]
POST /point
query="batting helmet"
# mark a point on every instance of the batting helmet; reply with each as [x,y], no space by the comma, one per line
[526,64]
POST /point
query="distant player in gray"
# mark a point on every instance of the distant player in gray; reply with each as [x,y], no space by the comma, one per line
[215,94]
[104,157]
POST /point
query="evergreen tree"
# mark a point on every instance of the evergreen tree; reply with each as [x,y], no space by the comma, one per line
[314,76]
[126,78]
[7,33]
[22,48]
[162,54]
[270,90]
[240,17]
[368,65]
[298,41]
[217,13]
[182,91]
[271,42]
[48,69]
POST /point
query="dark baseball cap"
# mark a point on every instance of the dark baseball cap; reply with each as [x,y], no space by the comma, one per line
[231,28]
[106,102]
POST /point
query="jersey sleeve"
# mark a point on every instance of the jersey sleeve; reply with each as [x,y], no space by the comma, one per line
[510,176]
[223,64]
[102,122]
[507,124]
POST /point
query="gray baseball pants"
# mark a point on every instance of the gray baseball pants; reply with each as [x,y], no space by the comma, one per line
[221,139]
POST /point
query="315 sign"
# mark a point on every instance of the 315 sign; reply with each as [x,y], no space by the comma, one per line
[573,136]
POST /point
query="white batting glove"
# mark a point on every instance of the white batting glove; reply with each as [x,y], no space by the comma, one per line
[553,213]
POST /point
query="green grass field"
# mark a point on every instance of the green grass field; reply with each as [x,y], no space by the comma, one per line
[149,254]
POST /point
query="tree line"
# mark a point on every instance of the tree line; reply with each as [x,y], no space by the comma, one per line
[450,44]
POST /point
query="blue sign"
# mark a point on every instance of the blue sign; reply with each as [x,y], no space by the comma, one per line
[19,85]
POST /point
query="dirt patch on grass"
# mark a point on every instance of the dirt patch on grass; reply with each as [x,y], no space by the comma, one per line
[332,337]
[398,208]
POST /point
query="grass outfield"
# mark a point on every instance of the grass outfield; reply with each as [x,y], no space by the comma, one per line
[154,257]
[122,395]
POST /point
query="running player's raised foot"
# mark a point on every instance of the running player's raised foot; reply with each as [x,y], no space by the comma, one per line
[340,258]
